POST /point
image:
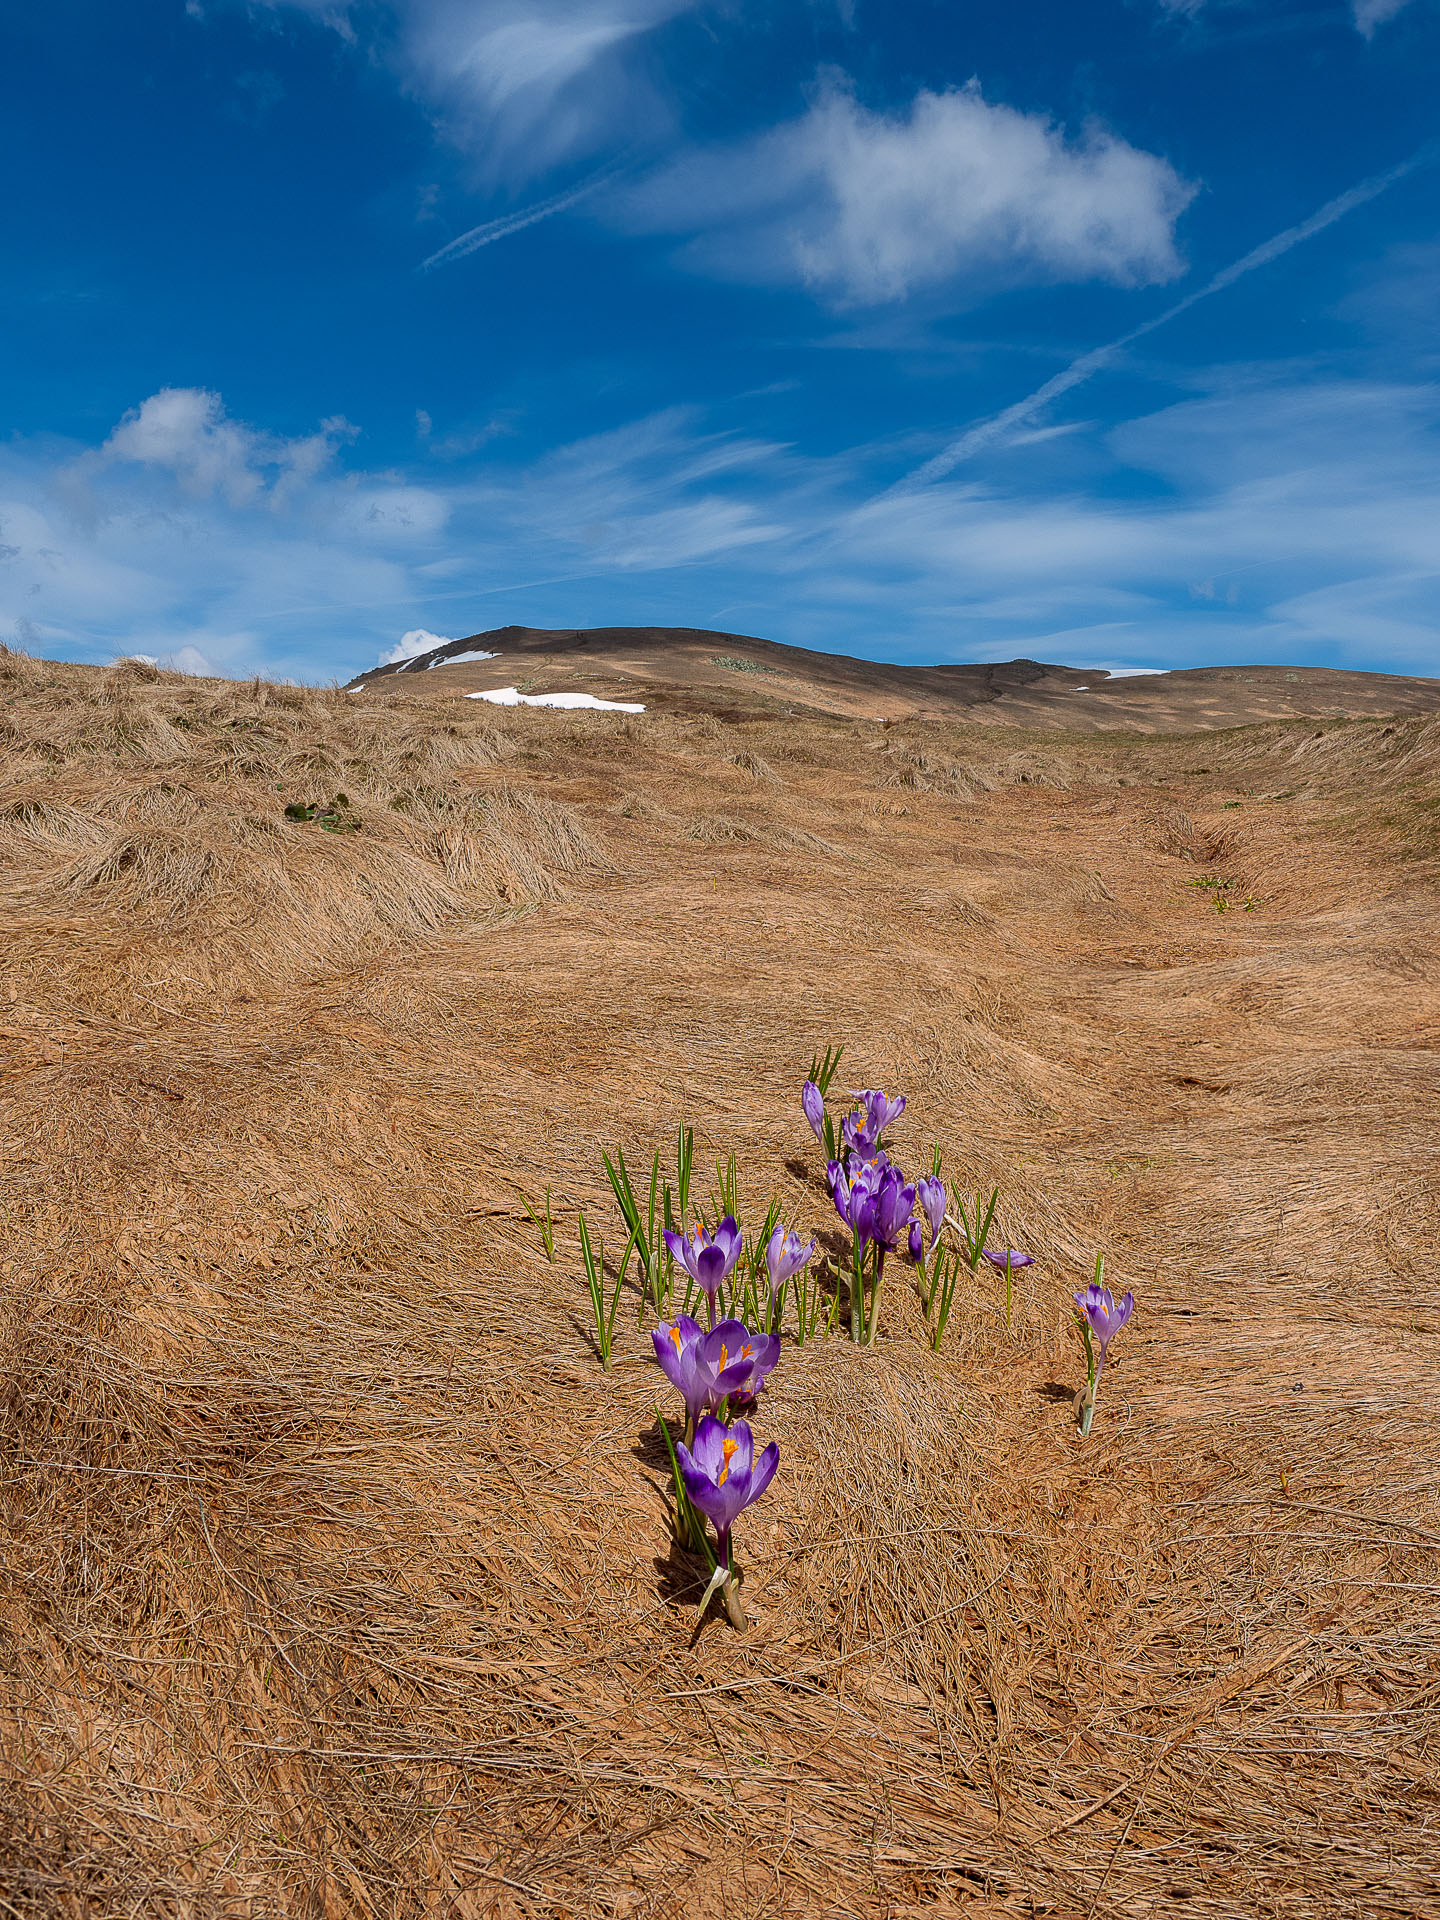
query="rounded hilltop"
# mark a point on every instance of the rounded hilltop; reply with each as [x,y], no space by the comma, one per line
[694,669]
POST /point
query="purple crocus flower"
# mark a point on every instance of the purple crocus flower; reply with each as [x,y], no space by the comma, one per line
[914,1245]
[854,1198]
[812,1102]
[785,1253]
[893,1204]
[1010,1260]
[722,1475]
[931,1195]
[677,1348]
[707,1258]
[1105,1319]
[861,1140]
[732,1361]
[706,1367]
[879,1111]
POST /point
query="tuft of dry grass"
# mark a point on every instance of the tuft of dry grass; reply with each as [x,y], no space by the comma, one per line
[335,1579]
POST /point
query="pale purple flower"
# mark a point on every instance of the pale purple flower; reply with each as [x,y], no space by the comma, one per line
[931,1195]
[1105,1318]
[708,1258]
[879,1111]
[785,1253]
[722,1475]
[677,1349]
[1009,1259]
[914,1244]
[733,1362]
[812,1102]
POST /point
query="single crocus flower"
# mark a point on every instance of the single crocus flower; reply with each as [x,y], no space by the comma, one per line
[812,1103]
[914,1245]
[730,1361]
[1098,1306]
[708,1258]
[1010,1260]
[785,1253]
[894,1202]
[1101,1317]
[854,1198]
[722,1475]
[880,1112]
[860,1139]
[931,1195]
[677,1348]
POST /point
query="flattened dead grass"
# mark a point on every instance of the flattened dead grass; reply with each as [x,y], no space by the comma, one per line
[336,1578]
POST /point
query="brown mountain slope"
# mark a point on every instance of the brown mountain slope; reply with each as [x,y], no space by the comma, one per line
[681,669]
[337,1579]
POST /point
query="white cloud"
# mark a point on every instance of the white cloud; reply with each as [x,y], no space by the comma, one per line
[1370,14]
[411,645]
[1367,14]
[864,207]
[522,85]
[186,432]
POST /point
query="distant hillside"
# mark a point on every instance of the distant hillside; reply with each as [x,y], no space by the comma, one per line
[690,669]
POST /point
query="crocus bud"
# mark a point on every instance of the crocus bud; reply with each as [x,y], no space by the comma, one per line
[812,1102]
[914,1244]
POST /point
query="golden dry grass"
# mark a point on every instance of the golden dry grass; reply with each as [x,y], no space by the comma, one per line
[336,1578]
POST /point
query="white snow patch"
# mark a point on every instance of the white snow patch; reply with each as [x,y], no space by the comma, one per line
[454,659]
[512,697]
[1130,673]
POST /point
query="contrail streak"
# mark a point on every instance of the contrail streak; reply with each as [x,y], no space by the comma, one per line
[501,229]
[986,431]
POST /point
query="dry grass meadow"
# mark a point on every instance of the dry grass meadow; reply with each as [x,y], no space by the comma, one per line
[336,1578]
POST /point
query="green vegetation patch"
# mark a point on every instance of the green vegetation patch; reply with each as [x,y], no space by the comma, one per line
[336,817]
[733,663]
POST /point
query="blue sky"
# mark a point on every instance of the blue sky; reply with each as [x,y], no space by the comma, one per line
[1103,332]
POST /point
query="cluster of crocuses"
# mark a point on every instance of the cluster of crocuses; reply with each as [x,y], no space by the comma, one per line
[874,1199]
[719,1372]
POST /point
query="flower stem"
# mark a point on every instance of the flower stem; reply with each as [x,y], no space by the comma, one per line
[875,1295]
[1087,1404]
[729,1592]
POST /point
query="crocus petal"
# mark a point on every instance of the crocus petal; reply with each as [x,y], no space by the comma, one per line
[766,1353]
[712,1501]
[931,1195]
[1012,1257]
[762,1473]
[710,1267]
[677,1362]
[707,1451]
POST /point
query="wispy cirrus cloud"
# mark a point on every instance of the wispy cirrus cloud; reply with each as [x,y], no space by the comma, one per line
[864,207]
[1366,14]
[520,86]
